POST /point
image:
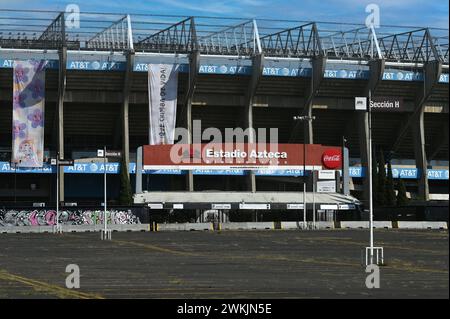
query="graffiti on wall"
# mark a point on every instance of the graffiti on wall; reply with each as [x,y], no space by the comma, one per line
[41,217]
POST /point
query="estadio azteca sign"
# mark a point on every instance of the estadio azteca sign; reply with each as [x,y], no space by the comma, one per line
[229,156]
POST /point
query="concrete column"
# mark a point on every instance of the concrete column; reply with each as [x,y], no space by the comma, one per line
[376,68]
[431,72]
[60,115]
[125,109]
[257,69]
[194,64]
[418,131]
[318,69]
[437,145]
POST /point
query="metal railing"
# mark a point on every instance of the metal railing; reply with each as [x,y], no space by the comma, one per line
[301,41]
[178,38]
[359,43]
[118,36]
[242,40]
[410,46]
[33,29]
[54,35]
[441,45]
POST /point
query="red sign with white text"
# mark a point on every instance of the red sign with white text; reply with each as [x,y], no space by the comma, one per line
[332,158]
[239,156]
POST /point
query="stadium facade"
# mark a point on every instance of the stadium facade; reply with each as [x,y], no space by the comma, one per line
[233,73]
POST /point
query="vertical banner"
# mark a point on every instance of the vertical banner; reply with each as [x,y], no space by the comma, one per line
[28,113]
[162,92]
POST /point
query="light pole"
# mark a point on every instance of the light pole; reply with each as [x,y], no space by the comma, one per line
[15,177]
[15,182]
[104,191]
[57,192]
[362,103]
[344,140]
[304,119]
[369,168]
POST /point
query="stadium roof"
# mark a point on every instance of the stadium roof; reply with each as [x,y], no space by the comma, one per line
[21,29]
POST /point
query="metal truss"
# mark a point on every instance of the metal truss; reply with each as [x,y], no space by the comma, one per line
[178,38]
[54,36]
[28,29]
[411,46]
[118,36]
[360,43]
[242,40]
[441,45]
[301,41]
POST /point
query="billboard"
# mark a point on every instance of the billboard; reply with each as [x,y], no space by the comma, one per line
[216,156]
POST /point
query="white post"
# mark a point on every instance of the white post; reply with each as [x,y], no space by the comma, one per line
[369,172]
[104,189]
[314,198]
[57,192]
[304,200]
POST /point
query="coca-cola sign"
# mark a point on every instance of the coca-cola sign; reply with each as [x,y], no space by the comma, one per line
[332,158]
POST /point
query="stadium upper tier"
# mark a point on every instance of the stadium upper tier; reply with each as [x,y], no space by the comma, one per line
[90,31]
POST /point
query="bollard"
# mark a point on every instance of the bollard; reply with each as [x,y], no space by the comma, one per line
[105,235]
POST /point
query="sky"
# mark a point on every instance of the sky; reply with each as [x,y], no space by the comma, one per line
[429,13]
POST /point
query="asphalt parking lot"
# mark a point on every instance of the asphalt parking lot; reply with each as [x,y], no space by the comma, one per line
[227,264]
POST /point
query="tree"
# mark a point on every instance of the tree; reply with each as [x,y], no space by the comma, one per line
[381,187]
[402,200]
[126,196]
[390,192]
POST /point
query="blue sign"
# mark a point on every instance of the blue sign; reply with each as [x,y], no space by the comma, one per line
[205,68]
[438,174]
[404,173]
[346,74]
[443,78]
[95,65]
[279,172]
[77,168]
[114,168]
[224,69]
[233,68]
[356,171]
[399,75]
[235,172]
[93,168]
[8,63]
[287,71]
[165,172]
[143,67]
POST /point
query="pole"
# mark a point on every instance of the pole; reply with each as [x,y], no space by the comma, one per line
[369,172]
[342,166]
[57,191]
[104,188]
[304,184]
[15,182]
[314,198]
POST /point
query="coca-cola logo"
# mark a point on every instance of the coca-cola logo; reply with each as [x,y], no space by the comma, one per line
[332,158]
